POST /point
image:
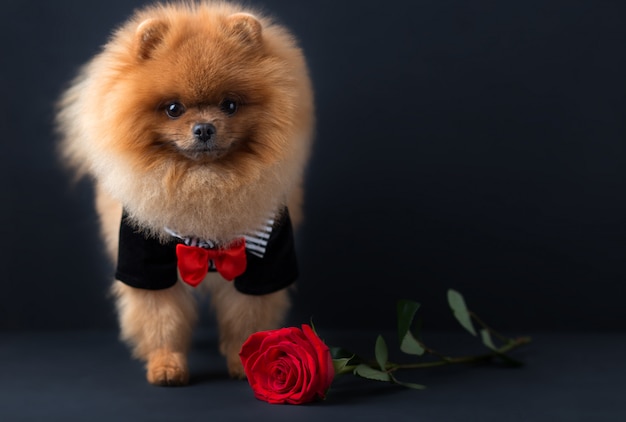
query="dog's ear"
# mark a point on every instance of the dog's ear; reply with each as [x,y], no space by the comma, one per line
[246,27]
[148,36]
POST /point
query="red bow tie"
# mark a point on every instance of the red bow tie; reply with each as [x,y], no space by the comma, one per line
[193,262]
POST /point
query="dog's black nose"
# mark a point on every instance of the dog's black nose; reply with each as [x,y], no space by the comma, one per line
[204,132]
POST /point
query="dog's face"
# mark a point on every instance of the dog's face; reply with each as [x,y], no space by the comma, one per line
[205,132]
[208,95]
[193,117]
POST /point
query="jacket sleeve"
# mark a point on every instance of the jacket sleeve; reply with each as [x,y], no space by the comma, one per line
[278,268]
[144,262]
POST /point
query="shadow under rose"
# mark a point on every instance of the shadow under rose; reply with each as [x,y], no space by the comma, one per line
[356,390]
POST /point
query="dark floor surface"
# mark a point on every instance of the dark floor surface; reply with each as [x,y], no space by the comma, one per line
[88,376]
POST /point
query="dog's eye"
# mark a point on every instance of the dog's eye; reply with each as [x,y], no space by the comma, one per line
[174,110]
[229,107]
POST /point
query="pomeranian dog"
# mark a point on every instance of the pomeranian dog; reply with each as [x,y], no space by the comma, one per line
[194,123]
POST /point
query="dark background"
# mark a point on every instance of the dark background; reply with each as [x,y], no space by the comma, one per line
[478,145]
[475,145]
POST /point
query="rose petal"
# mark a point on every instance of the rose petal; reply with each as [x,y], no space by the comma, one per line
[325,360]
[288,365]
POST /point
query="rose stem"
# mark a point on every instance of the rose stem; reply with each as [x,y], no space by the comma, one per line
[512,344]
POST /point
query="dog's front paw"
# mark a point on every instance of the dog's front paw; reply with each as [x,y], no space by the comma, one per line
[235,367]
[167,368]
[230,350]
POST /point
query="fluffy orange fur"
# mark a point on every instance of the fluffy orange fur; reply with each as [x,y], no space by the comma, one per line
[115,129]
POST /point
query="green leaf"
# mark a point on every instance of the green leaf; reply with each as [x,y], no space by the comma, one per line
[381,352]
[406,310]
[340,365]
[457,304]
[487,341]
[365,371]
[407,384]
[411,346]
[340,352]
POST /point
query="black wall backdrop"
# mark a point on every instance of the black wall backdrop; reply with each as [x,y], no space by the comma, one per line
[476,145]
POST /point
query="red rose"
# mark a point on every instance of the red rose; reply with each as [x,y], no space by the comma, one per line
[288,365]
